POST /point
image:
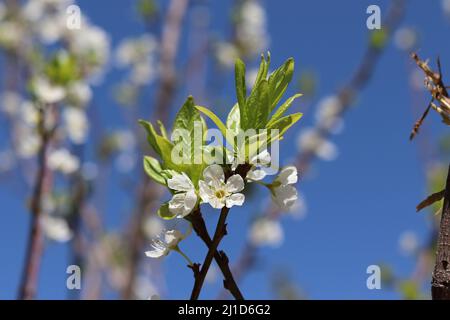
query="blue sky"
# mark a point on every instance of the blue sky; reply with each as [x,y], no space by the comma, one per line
[358,205]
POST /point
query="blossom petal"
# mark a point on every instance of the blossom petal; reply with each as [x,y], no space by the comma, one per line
[235,183]
[172,238]
[157,252]
[236,199]
[256,174]
[205,191]
[214,174]
[189,203]
[285,196]
[180,182]
[288,176]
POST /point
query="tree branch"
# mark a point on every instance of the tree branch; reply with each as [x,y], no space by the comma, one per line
[35,240]
[440,284]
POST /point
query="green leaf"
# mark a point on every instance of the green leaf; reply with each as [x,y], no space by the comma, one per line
[165,213]
[279,81]
[163,130]
[263,69]
[283,108]
[234,119]
[151,135]
[241,89]
[153,168]
[257,108]
[186,119]
[220,125]
[283,124]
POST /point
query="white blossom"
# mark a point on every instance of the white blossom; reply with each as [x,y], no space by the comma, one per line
[76,124]
[408,242]
[164,243]
[218,193]
[183,202]
[79,93]
[251,28]
[266,232]
[310,140]
[62,160]
[56,229]
[27,142]
[284,194]
[10,102]
[260,161]
[405,39]
[47,92]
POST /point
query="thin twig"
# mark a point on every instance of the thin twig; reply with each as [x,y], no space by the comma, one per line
[35,240]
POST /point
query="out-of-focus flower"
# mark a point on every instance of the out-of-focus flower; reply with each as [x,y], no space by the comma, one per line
[56,229]
[153,227]
[91,46]
[408,243]
[328,113]
[251,25]
[218,193]
[310,140]
[283,192]
[226,54]
[76,124]
[62,160]
[164,243]
[29,113]
[405,39]
[140,54]
[266,232]
[10,102]
[27,141]
[47,92]
[446,6]
[11,34]
[79,93]
[183,202]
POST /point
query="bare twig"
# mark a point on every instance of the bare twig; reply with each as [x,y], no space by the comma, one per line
[35,239]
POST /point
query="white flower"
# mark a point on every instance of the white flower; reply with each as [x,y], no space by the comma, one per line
[80,92]
[218,193]
[283,192]
[48,93]
[56,229]
[10,102]
[266,231]
[164,243]
[76,124]
[310,140]
[184,202]
[260,161]
[408,243]
[62,160]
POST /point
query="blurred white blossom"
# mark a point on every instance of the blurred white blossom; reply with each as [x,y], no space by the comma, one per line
[266,232]
[47,92]
[408,243]
[76,124]
[310,140]
[405,39]
[56,229]
[62,160]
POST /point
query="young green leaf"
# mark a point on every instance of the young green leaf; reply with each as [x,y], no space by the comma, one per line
[283,124]
[263,69]
[234,119]
[151,135]
[279,81]
[220,125]
[257,108]
[153,168]
[283,108]
[241,89]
